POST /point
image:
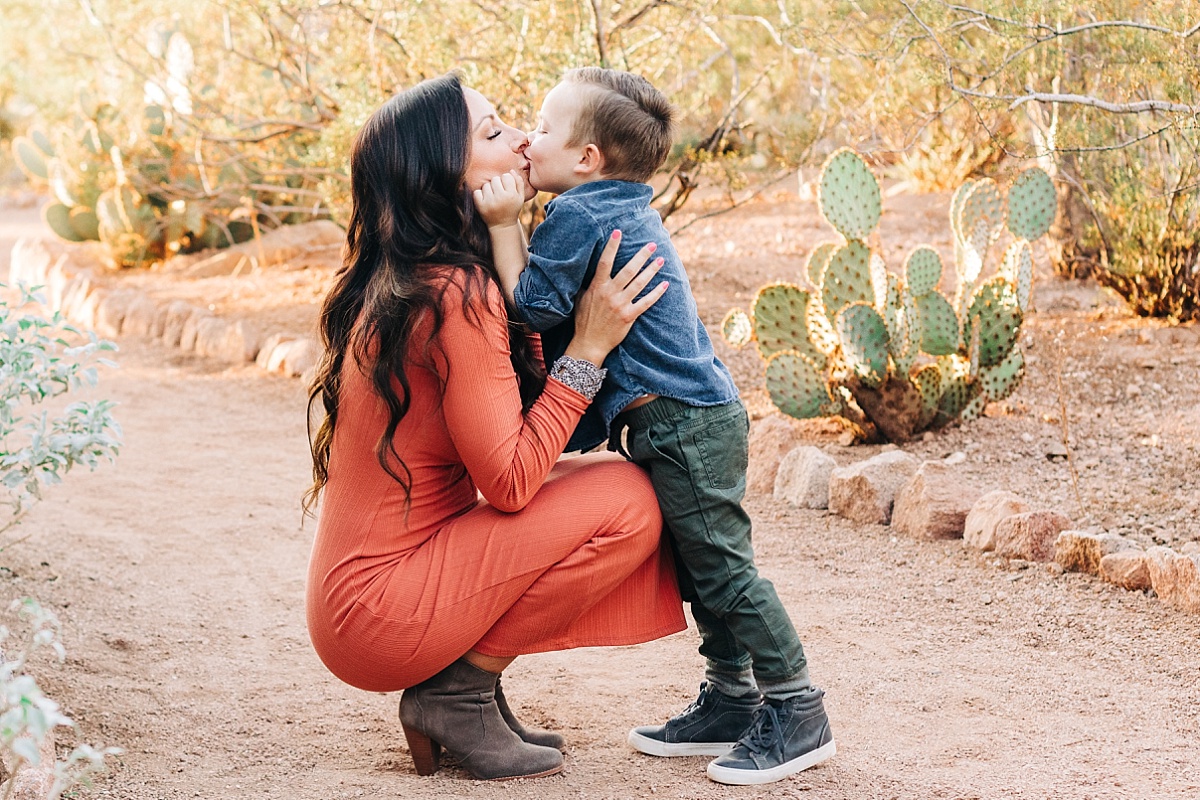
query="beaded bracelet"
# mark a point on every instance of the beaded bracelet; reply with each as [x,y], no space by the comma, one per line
[582,376]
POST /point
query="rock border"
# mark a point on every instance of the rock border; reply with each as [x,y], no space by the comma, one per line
[926,500]
[72,281]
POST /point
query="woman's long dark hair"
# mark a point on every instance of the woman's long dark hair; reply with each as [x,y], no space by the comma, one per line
[412,216]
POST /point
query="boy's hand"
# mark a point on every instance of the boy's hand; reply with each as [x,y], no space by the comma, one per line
[499,200]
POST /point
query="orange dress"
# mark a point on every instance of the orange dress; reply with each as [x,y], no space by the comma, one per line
[556,554]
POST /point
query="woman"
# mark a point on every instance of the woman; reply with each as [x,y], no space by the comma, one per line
[433,398]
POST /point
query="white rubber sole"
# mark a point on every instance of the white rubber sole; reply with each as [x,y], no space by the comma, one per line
[750,777]
[653,747]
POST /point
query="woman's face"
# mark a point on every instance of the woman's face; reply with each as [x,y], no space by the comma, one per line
[496,148]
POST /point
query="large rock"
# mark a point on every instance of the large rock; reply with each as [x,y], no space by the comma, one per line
[803,477]
[934,504]
[178,312]
[265,358]
[140,316]
[191,328]
[1031,535]
[866,491]
[770,438]
[32,259]
[1175,577]
[1127,569]
[301,357]
[229,341]
[297,246]
[1081,551]
[85,313]
[110,313]
[74,294]
[979,531]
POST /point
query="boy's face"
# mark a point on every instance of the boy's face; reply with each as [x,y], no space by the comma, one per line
[553,163]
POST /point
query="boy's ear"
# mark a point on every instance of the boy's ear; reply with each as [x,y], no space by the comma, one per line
[591,162]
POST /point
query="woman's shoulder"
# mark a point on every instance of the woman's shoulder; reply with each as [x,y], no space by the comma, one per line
[466,289]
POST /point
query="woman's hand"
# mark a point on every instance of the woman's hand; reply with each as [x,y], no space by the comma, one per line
[606,311]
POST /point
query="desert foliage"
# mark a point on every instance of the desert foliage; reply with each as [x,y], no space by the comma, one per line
[239,115]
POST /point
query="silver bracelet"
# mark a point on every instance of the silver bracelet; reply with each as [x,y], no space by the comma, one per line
[582,376]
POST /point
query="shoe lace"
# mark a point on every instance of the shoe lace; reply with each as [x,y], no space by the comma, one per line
[763,731]
[699,702]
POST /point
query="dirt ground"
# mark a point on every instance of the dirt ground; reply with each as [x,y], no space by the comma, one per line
[178,575]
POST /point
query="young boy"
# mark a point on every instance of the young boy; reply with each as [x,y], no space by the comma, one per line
[670,406]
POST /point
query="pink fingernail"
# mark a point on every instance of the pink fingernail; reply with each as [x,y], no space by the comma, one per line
[653,247]
[616,234]
[659,261]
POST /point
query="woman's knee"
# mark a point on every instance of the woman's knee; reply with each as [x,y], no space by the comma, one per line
[630,491]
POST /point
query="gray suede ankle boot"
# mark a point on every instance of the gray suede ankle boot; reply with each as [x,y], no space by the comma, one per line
[532,735]
[456,709]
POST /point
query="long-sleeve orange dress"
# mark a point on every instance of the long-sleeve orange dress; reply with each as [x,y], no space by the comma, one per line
[556,554]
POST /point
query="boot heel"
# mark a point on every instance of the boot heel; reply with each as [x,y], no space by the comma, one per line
[425,751]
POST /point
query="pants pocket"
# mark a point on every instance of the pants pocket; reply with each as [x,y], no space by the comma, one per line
[724,449]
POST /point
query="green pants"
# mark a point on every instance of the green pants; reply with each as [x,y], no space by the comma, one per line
[697,461]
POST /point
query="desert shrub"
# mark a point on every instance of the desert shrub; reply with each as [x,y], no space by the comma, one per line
[274,91]
[28,718]
[1108,100]
[38,362]
[42,359]
[1135,223]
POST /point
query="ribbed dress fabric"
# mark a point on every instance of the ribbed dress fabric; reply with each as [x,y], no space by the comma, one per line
[554,555]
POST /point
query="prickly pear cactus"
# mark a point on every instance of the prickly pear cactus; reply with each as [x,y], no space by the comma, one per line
[888,353]
[142,181]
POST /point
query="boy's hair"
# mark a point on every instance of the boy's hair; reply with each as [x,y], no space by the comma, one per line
[627,118]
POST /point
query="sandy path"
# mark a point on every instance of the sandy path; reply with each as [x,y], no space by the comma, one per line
[178,574]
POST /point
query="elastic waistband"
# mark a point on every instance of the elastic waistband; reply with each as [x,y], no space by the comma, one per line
[660,409]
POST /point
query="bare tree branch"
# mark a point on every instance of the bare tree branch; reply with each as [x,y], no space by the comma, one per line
[1140,107]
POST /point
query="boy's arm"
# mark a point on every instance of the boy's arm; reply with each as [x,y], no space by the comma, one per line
[499,202]
[562,255]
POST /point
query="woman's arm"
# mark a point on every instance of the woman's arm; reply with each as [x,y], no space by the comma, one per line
[509,454]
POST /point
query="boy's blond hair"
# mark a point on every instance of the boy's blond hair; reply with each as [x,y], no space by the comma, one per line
[630,121]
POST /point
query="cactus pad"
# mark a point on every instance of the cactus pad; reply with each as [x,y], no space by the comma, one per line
[956,204]
[736,328]
[879,280]
[817,261]
[85,224]
[31,158]
[1017,269]
[995,307]
[58,219]
[1031,204]
[781,312]
[864,342]
[796,385]
[922,270]
[982,203]
[939,324]
[1000,381]
[928,380]
[974,407]
[847,279]
[957,393]
[849,195]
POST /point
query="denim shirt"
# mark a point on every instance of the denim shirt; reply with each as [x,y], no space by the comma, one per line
[668,351]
